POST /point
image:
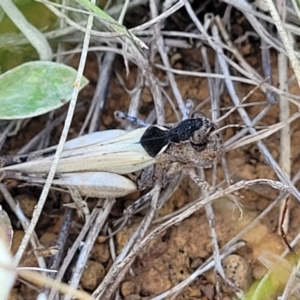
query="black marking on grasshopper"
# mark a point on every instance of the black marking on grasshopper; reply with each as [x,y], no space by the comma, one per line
[157,138]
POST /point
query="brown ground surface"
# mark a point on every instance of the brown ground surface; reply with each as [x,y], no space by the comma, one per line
[181,249]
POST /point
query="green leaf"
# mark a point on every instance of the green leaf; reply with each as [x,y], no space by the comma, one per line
[35,88]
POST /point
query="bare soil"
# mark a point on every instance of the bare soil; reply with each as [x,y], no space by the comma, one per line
[181,249]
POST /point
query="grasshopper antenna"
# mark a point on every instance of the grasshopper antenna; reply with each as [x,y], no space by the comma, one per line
[243,100]
[121,116]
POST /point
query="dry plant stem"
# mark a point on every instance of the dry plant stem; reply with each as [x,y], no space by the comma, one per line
[245,7]
[36,269]
[35,37]
[214,46]
[123,12]
[24,222]
[235,51]
[159,18]
[296,8]
[244,131]
[137,206]
[201,270]
[31,144]
[210,216]
[285,39]
[118,270]
[170,43]
[285,137]
[6,132]
[156,28]
[67,33]
[112,246]
[176,34]
[163,54]
[78,26]
[208,208]
[30,285]
[113,256]
[265,58]
[126,262]
[62,24]
[59,59]
[250,226]
[45,139]
[261,134]
[169,98]
[61,243]
[62,238]
[19,125]
[116,8]
[72,250]
[180,210]
[100,95]
[140,234]
[97,49]
[39,207]
[136,238]
[248,122]
[39,280]
[249,13]
[267,69]
[212,43]
[154,86]
[242,104]
[136,95]
[233,78]
[157,96]
[167,4]
[89,243]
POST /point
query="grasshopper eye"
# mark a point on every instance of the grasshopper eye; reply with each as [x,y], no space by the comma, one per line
[200,146]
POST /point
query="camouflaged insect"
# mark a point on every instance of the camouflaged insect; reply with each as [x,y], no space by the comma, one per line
[156,152]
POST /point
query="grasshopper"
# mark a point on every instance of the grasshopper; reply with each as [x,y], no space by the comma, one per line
[95,164]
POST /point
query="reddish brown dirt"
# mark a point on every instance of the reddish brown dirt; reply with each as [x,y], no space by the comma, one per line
[172,257]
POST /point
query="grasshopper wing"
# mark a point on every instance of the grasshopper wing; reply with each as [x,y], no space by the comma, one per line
[122,155]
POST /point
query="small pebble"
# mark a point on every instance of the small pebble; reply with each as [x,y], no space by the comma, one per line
[92,275]
[238,271]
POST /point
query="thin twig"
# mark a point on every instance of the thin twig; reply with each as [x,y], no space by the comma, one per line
[285,134]
[89,243]
[72,251]
[285,39]
[117,271]
[38,209]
